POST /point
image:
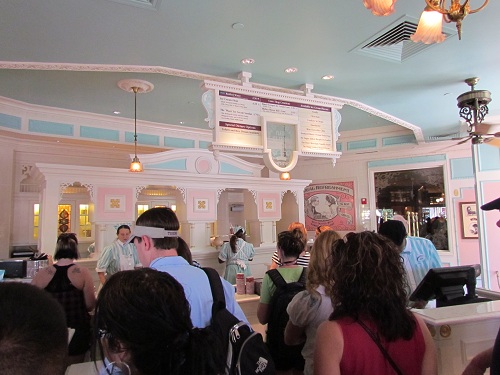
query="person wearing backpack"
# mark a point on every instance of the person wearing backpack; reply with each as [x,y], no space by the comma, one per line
[274,300]
[309,308]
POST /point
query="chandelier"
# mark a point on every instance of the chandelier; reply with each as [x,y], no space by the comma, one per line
[473,104]
[429,29]
[136,86]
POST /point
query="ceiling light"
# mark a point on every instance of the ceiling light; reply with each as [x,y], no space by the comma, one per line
[136,86]
[327,77]
[237,26]
[380,7]
[430,25]
[291,70]
[116,112]
[247,61]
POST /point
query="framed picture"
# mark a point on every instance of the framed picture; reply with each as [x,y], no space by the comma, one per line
[468,214]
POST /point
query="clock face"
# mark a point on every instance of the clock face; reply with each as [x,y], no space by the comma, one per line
[281,142]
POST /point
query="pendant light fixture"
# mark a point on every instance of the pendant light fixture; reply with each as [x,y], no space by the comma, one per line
[136,86]
[429,29]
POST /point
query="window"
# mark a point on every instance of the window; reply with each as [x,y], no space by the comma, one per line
[36,220]
[85,225]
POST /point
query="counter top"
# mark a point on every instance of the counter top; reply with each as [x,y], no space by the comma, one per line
[246,297]
[460,313]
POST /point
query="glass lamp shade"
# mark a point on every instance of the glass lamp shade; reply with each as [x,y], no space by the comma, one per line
[380,7]
[429,29]
[285,176]
[136,165]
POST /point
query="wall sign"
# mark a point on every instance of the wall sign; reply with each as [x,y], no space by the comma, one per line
[251,120]
[330,204]
[468,215]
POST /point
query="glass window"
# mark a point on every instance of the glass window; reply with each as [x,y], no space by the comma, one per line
[85,225]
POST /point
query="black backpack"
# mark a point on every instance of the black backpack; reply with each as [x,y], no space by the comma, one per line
[246,351]
[285,356]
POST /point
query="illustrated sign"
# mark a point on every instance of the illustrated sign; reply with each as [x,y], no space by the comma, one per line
[330,204]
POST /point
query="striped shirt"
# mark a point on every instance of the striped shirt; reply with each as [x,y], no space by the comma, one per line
[303,260]
[419,256]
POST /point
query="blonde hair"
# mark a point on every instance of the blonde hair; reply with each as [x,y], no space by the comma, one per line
[317,272]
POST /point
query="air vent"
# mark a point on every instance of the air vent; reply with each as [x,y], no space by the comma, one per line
[394,44]
[148,4]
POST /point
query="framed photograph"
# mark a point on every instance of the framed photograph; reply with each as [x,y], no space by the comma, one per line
[468,214]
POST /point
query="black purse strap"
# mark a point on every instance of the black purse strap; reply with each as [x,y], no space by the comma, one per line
[382,349]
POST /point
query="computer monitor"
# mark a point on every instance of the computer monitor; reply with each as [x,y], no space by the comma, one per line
[446,285]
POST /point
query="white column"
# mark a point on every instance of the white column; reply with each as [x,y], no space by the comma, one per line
[6,203]
[50,197]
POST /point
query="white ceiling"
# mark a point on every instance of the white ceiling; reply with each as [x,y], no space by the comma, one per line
[175,44]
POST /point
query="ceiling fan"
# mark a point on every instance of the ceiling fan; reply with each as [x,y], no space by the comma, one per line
[473,106]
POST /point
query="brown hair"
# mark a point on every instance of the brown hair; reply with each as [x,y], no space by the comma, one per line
[367,281]
[317,272]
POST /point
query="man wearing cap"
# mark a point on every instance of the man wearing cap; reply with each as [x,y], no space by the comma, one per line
[155,236]
[491,356]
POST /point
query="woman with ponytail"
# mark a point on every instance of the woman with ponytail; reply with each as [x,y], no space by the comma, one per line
[143,327]
[237,253]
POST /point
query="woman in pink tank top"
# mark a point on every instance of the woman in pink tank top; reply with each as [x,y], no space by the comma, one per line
[371,331]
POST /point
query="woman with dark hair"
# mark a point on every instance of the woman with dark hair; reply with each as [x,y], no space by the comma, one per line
[143,321]
[237,253]
[121,255]
[298,230]
[367,288]
[288,360]
[73,287]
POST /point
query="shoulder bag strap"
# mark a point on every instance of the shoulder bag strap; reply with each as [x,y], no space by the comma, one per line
[382,349]
[217,289]
[276,277]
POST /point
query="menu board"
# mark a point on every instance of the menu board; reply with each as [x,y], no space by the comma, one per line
[239,120]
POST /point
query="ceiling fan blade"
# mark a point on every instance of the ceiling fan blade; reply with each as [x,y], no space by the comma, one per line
[464,140]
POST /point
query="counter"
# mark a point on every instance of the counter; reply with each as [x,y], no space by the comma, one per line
[249,304]
[460,332]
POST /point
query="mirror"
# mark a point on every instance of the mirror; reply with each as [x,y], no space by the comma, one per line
[419,196]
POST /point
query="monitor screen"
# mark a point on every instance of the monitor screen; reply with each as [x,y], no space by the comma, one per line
[446,285]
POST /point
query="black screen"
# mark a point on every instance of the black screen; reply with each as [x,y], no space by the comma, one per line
[446,285]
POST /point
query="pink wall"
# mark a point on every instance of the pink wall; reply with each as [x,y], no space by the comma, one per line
[269,205]
[491,191]
[114,204]
[201,205]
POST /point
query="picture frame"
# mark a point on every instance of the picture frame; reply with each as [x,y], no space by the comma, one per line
[468,216]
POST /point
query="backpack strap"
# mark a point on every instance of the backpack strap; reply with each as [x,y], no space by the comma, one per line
[276,278]
[302,278]
[217,290]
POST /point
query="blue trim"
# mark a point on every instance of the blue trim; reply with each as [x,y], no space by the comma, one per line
[461,168]
[143,139]
[11,122]
[404,139]
[97,133]
[358,145]
[178,165]
[46,127]
[178,142]
[413,160]
[489,158]
[226,168]
[204,144]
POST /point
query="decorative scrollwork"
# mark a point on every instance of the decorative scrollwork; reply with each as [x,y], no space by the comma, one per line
[138,190]
[219,192]
[62,188]
[90,189]
[183,193]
